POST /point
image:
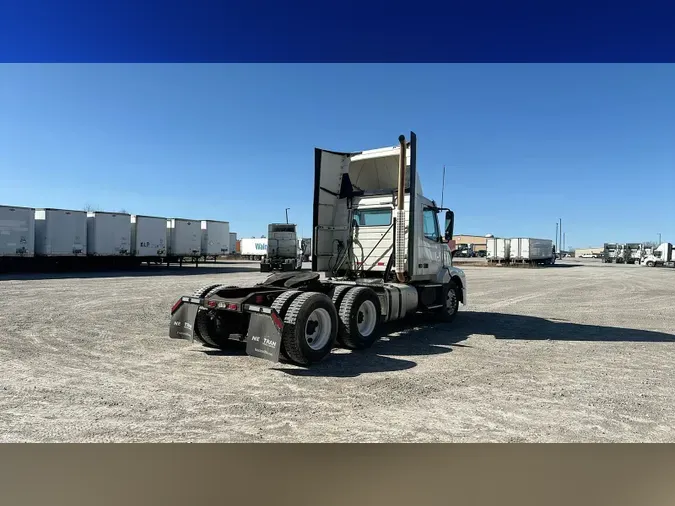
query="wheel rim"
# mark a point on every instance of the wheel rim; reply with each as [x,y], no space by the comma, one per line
[451,301]
[318,329]
[366,318]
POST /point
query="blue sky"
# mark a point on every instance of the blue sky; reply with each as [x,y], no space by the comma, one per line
[523,145]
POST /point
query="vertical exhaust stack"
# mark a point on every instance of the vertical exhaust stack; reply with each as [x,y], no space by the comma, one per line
[399,240]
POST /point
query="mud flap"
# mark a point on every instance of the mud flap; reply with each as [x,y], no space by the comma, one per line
[263,339]
[183,322]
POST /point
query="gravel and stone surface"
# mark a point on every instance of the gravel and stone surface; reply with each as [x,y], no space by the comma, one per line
[582,351]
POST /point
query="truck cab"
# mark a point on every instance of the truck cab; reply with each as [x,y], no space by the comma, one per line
[662,256]
[359,230]
[283,248]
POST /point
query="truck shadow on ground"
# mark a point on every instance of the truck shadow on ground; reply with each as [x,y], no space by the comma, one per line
[424,339]
[152,270]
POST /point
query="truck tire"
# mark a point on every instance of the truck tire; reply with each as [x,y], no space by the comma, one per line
[449,311]
[210,327]
[281,305]
[650,263]
[360,316]
[310,328]
[203,290]
[338,294]
[265,267]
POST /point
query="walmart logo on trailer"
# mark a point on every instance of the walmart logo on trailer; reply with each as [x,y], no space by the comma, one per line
[260,246]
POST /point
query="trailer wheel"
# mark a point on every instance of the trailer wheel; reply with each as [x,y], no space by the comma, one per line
[650,263]
[360,316]
[281,305]
[310,328]
[451,296]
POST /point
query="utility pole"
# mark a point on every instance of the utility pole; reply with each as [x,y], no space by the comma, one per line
[560,219]
[556,237]
[659,239]
[287,215]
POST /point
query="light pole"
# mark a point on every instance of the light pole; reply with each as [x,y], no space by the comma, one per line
[659,238]
[556,237]
[287,215]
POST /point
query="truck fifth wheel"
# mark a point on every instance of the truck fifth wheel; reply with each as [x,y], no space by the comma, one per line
[377,241]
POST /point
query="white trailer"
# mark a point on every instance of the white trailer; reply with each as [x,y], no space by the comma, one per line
[526,249]
[148,236]
[60,232]
[108,234]
[185,237]
[233,243]
[215,238]
[253,248]
[498,249]
[17,231]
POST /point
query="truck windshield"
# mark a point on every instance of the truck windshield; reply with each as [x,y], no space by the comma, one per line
[373,217]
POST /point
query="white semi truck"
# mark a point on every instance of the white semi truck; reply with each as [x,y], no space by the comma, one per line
[283,249]
[378,243]
[662,256]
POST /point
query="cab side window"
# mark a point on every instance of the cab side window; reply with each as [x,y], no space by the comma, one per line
[430,224]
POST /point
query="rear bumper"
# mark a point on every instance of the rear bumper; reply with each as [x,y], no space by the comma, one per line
[263,337]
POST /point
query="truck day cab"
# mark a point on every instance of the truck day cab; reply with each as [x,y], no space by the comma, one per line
[662,256]
[378,243]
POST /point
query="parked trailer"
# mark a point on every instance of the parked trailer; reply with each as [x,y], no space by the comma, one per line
[533,251]
[185,238]
[300,316]
[108,238]
[252,248]
[60,234]
[215,238]
[148,238]
[17,236]
[498,249]
[233,243]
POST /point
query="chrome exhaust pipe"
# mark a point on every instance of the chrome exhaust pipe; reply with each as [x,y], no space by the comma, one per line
[399,240]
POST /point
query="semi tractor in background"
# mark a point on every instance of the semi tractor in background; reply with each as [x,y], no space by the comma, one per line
[378,243]
[661,256]
[284,251]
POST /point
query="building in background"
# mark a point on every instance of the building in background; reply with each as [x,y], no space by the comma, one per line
[478,242]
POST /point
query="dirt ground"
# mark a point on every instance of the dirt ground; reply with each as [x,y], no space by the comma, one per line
[577,352]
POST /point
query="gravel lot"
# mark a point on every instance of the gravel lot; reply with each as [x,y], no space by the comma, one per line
[582,351]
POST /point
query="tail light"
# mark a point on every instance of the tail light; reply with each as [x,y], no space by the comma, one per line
[176,305]
[277,321]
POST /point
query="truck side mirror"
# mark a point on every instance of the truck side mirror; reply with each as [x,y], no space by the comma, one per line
[449,225]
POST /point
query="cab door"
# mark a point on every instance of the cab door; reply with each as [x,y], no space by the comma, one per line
[430,248]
